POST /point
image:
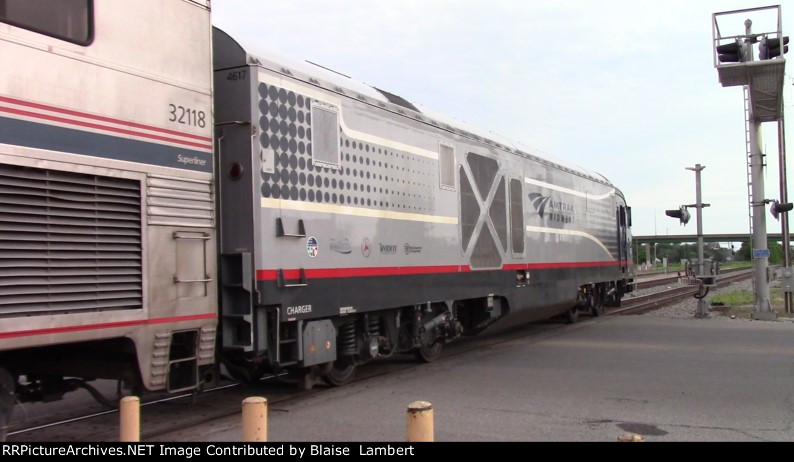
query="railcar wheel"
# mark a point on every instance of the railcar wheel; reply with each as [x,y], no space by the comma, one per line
[7,401]
[429,354]
[341,373]
[572,315]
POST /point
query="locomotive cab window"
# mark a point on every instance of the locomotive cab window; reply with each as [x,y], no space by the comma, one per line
[325,135]
[69,20]
[446,167]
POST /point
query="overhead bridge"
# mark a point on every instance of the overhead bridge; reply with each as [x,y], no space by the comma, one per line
[680,238]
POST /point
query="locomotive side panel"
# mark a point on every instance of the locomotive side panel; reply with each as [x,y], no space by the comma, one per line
[371,215]
[380,211]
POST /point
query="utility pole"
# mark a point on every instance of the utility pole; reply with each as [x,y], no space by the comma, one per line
[703,311]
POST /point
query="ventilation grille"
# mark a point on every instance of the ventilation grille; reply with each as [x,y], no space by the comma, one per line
[469,210]
[517,216]
[486,252]
[325,135]
[179,202]
[69,242]
[498,213]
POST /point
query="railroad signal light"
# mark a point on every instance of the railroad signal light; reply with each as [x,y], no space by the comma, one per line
[778,208]
[735,52]
[682,214]
[770,47]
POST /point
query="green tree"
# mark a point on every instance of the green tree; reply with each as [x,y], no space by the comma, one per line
[775,252]
[714,251]
[745,253]
[641,257]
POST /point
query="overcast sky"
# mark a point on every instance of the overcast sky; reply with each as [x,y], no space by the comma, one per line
[625,88]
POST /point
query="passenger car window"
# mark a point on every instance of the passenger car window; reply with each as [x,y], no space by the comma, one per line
[69,20]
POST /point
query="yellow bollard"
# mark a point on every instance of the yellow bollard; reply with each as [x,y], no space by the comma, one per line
[130,419]
[255,419]
[419,418]
[630,438]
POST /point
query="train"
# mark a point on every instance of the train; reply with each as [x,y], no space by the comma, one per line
[176,204]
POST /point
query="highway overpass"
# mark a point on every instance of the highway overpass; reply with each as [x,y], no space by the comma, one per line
[681,238]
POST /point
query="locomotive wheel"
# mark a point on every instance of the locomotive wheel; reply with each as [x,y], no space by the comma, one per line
[243,375]
[429,354]
[572,315]
[341,373]
[598,308]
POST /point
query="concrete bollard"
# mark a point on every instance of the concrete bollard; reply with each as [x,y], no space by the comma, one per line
[130,419]
[255,419]
[419,418]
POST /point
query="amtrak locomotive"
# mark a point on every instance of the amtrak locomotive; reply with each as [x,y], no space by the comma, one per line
[173,200]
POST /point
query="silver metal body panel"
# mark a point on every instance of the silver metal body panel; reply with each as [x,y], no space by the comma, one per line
[111,109]
[319,342]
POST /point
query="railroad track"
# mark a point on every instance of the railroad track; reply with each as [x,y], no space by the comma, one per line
[674,279]
[650,302]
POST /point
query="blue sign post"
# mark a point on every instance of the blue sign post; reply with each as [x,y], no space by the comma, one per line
[760,253]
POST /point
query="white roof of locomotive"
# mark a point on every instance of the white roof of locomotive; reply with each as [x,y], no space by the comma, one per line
[332,80]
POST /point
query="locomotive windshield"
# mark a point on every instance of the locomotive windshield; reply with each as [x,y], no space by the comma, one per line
[68,20]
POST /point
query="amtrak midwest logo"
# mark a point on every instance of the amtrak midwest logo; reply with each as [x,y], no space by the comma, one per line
[551,210]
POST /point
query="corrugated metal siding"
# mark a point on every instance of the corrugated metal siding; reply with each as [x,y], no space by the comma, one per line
[179,202]
[68,242]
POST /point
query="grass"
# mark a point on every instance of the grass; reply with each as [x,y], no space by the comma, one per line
[736,264]
[734,299]
[741,303]
[674,268]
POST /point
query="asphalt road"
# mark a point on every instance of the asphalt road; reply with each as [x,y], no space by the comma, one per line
[668,380]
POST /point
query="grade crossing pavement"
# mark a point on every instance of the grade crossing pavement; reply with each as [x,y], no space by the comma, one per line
[665,379]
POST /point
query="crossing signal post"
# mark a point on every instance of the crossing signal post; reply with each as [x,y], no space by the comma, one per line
[735,52]
[681,213]
[762,76]
[771,48]
[778,208]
